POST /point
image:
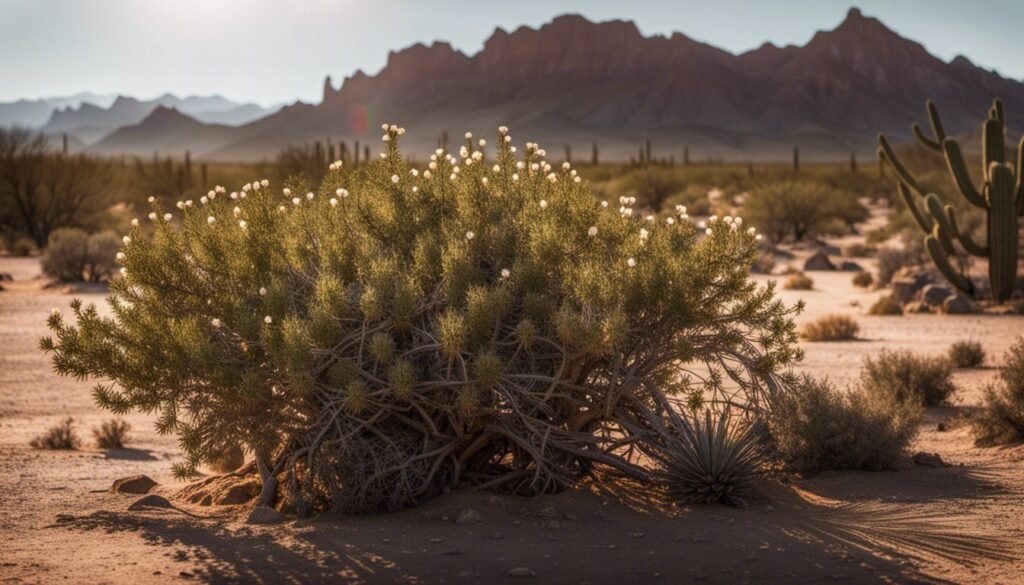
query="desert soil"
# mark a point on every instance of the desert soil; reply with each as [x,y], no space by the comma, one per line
[959,524]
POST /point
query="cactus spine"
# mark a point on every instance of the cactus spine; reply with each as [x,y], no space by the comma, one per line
[1001,195]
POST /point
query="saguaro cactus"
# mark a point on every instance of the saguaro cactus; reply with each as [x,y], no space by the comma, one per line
[1001,195]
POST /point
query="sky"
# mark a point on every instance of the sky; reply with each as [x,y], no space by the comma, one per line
[271,51]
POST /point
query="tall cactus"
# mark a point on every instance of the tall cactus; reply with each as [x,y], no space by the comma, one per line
[1001,195]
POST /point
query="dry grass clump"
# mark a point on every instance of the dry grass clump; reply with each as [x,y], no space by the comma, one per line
[60,436]
[112,434]
[1001,418]
[904,376]
[831,328]
[967,354]
[815,427]
[798,281]
[863,279]
[858,250]
[885,305]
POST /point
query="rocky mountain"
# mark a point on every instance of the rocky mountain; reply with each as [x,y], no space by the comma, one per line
[35,113]
[572,81]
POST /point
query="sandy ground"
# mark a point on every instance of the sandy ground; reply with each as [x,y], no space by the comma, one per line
[958,524]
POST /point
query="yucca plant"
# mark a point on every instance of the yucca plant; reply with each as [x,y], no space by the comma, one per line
[711,458]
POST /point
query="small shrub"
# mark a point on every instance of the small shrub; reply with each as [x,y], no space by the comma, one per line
[711,459]
[885,305]
[877,236]
[112,434]
[22,247]
[1001,418]
[59,436]
[905,376]
[858,250]
[831,328]
[815,427]
[863,279]
[74,256]
[798,281]
[967,354]
[890,260]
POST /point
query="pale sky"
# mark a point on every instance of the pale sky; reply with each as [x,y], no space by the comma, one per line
[274,50]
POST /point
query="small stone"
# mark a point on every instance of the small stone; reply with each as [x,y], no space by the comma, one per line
[136,484]
[452,552]
[517,522]
[571,517]
[958,305]
[636,534]
[521,572]
[150,501]
[435,540]
[935,294]
[769,508]
[549,512]
[264,515]
[819,261]
[185,575]
[928,459]
[554,525]
[468,516]
[613,546]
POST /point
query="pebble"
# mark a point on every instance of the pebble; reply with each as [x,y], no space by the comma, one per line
[549,512]
[521,572]
[468,516]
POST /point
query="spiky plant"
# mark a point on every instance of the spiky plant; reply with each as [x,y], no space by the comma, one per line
[711,459]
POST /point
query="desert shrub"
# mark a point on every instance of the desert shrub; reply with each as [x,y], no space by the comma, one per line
[907,377]
[378,339]
[1001,418]
[712,458]
[891,260]
[858,250]
[863,279]
[22,246]
[74,256]
[966,354]
[654,185]
[795,211]
[815,427]
[831,328]
[877,236]
[60,436]
[112,434]
[798,281]
[885,306]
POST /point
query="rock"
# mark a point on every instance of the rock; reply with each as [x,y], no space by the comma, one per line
[554,525]
[150,501]
[848,266]
[819,261]
[468,516]
[935,294]
[136,484]
[958,305]
[6,277]
[916,307]
[903,290]
[549,512]
[928,459]
[265,515]
[521,572]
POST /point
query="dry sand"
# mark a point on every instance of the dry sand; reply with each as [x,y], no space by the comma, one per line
[961,524]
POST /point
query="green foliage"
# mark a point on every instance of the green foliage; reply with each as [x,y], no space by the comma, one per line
[816,427]
[863,279]
[1000,196]
[714,458]
[831,328]
[74,256]
[798,210]
[1001,418]
[904,376]
[966,354]
[798,281]
[885,306]
[398,330]
[111,434]
[61,436]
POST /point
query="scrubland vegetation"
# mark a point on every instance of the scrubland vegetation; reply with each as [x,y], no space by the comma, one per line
[831,328]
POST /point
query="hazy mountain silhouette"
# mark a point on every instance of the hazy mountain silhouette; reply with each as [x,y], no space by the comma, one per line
[573,81]
[34,113]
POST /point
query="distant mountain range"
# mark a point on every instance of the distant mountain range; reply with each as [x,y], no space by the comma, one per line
[572,82]
[87,118]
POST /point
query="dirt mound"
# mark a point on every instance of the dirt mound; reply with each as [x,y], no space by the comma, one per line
[232,489]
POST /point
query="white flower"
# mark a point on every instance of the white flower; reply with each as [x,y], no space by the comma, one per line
[575,179]
[287,192]
[180,205]
[751,231]
[496,169]
[713,219]
[126,240]
[503,129]
[152,216]
[482,142]
[758,237]
[604,204]
[385,138]
[167,217]
[151,199]
[296,201]
[333,202]
[505,273]
[644,235]
[124,272]
[631,262]
[738,221]
[508,138]
[188,203]
[414,173]
[394,179]
[341,193]
[649,218]
[204,199]
[470,235]
[243,224]
[265,183]
[426,174]
[543,204]
[237,211]
[515,176]
[268,320]
[469,135]
[384,126]
[263,291]
[310,195]
[708,231]
[234,195]
[702,224]
[210,220]
[120,256]
[215,323]
[415,189]
[552,177]
[535,167]
[135,222]
[256,186]
[211,194]
[670,220]
[592,231]
[483,180]
[246,187]
[566,165]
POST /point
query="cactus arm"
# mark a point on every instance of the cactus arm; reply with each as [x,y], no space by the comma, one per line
[996,112]
[941,261]
[886,153]
[1003,233]
[942,229]
[993,148]
[937,130]
[958,171]
[965,239]
[923,220]
[1020,176]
